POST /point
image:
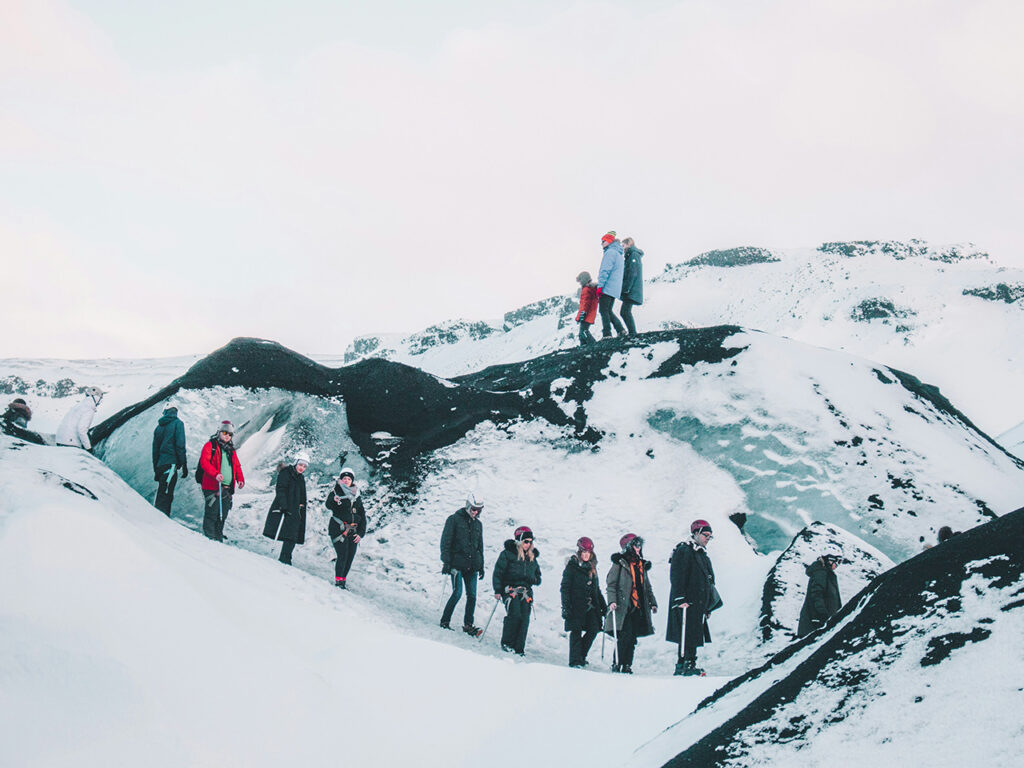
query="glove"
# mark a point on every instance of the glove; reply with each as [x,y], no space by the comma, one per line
[184,471]
[158,476]
[480,576]
[599,292]
[446,569]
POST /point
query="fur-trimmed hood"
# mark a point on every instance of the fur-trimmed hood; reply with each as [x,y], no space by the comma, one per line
[618,557]
[511,546]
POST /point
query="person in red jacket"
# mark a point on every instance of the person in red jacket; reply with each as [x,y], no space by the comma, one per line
[588,307]
[221,475]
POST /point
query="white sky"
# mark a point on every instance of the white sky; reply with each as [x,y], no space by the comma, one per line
[176,174]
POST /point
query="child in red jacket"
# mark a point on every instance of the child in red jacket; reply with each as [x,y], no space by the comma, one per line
[588,307]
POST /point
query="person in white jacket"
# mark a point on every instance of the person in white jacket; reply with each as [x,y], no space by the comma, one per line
[74,429]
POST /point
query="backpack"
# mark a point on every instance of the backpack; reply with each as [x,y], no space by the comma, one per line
[199,467]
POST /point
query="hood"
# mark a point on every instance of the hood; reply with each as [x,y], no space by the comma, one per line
[511,546]
[170,414]
[817,565]
[618,557]
[635,251]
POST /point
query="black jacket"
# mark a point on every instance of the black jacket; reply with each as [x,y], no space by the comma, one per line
[462,542]
[169,440]
[350,513]
[822,597]
[510,571]
[286,520]
[583,605]
[692,581]
[633,275]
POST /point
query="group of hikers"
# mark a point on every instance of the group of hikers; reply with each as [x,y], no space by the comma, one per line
[620,277]
[626,614]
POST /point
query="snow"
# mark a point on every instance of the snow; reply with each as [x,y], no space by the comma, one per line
[130,639]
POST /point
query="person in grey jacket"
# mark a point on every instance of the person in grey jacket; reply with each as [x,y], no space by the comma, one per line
[168,457]
[632,283]
[609,285]
[630,600]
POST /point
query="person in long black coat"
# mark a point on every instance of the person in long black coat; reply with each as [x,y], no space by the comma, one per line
[516,573]
[347,525]
[632,283]
[693,587]
[286,520]
[583,605]
[822,598]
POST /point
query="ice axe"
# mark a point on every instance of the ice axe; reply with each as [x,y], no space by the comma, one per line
[484,630]
[682,629]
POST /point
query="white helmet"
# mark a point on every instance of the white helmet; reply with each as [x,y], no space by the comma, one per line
[832,551]
[348,471]
[473,501]
[302,458]
[94,392]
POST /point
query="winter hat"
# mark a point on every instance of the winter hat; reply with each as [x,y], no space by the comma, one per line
[628,540]
[522,532]
[302,458]
[583,278]
[348,471]
[18,401]
[585,544]
[700,526]
[609,237]
[473,501]
[226,426]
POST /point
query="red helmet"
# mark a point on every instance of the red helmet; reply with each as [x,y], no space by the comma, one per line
[585,544]
[628,539]
[522,532]
[699,525]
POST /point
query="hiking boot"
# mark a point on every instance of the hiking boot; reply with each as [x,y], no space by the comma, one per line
[626,669]
[469,629]
[507,648]
[689,668]
[340,584]
[680,668]
[445,625]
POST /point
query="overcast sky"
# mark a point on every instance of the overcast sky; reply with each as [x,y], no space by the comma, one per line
[176,174]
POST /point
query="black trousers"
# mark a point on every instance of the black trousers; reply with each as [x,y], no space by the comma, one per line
[627,639]
[516,624]
[216,512]
[346,550]
[287,547]
[626,312]
[580,642]
[608,318]
[585,335]
[165,488]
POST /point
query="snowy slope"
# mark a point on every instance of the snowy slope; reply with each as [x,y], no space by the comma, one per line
[948,314]
[922,668]
[130,640]
[640,435]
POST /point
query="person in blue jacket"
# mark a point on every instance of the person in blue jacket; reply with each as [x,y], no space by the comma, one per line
[609,284]
[168,457]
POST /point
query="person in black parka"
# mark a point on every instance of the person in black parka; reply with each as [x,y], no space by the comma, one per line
[462,558]
[583,605]
[168,457]
[516,573]
[632,283]
[693,586]
[286,520]
[822,593]
[347,525]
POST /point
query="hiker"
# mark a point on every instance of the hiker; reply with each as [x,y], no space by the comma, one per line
[609,285]
[18,414]
[168,457]
[630,600]
[347,525]
[588,307]
[632,283]
[945,534]
[15,422]
[286,520]
[74,428]
[221,474]
[822,599]
[462,559]
[583,605]
[693,589]
[516,573]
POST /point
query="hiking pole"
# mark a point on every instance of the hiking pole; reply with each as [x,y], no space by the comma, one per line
[484,631]
[444,589]
[682,631]
[220,514]
[615,632]
[604,632]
